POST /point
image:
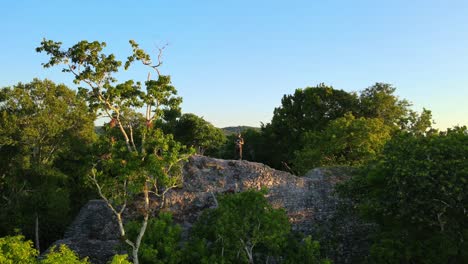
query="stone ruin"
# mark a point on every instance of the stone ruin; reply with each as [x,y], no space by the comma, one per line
[309,201]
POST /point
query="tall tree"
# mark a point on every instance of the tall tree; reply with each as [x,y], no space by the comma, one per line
[253,148]
[195,131]
[142,160]
[380,101]
[40,123]
[308,109]
[308,112]
[346,141]
[418,123]
[417,194]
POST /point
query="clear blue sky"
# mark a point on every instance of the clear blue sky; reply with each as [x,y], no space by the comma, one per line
[232,61]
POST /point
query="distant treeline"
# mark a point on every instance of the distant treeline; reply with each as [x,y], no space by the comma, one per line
[238,129]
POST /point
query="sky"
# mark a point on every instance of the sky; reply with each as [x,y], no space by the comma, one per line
[232,61]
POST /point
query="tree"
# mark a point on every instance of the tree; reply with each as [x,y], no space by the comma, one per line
[309,109]
[416,193]
[346,141]
[142,160]
[233,232]
[419,123]
[194,131]
[41,125]
[379,101]
[161,244]
[253,149]
[307,113]
[305,251]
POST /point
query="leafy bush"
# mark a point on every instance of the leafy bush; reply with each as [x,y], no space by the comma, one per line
[120,259]
[15,250]
[63,255]
[245,228]
[161,243]
[306,251]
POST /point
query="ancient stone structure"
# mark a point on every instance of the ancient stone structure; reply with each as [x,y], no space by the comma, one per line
[93,233]
[309,202]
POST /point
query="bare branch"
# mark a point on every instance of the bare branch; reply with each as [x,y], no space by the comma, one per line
[122,209]
[124,133]
[437,200]
[156,66]
[215,200]
[168,169]
[99,188]
[163,195]
[117,214]
[77,73]
[131,137]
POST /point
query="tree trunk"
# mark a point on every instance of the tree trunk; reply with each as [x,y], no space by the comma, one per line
[139,238]
[135,255]
[36,232]
[249,254]
[143,226]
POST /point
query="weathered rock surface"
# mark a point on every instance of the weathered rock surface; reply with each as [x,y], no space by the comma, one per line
[93,233]
[309,201]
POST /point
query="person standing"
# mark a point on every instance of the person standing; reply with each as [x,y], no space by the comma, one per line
[239,143]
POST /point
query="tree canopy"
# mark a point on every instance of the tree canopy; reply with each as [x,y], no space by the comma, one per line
[308,109]
[416,193]
[344,141]
[411,182]
[43,126]
[313,125]
[194,131]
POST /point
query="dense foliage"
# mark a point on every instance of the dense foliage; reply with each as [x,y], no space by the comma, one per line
[161,243]
[320,125]
[45,134]
[344,141]
[417,194]
[194,131]
[245,228]
[15,250]
[308,109]
[411,185]
[253,149]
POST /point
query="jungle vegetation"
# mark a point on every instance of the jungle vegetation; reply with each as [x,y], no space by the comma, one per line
[411,179]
